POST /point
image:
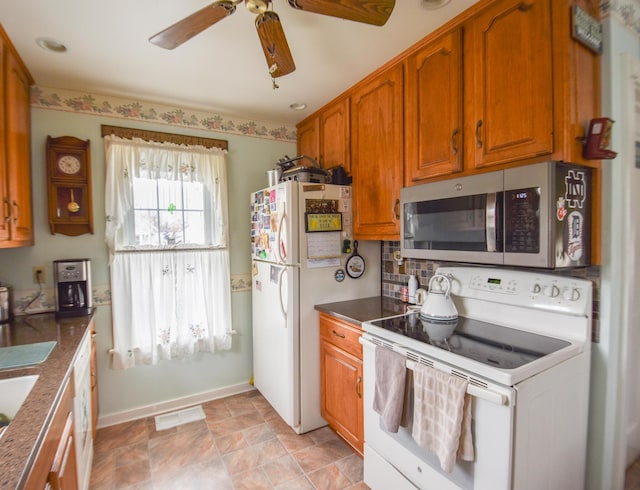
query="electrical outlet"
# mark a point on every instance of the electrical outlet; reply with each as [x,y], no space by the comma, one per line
[39,276]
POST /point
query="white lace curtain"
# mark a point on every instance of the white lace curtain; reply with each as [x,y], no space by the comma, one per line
[168,301]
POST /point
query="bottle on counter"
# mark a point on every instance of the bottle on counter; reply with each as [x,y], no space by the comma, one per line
[412,286]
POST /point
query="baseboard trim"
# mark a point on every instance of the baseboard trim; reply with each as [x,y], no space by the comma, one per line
[169,405]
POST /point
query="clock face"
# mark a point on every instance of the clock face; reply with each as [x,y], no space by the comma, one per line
[69,164]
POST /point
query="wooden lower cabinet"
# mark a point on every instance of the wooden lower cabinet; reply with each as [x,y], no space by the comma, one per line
[55,466]
[341,380]
[63,473]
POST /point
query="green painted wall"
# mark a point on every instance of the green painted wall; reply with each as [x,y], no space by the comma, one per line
[122,391]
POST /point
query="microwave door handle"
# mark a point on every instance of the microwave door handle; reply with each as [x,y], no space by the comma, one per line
[490,221]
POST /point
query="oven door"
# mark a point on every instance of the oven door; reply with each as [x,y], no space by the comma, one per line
[396,461]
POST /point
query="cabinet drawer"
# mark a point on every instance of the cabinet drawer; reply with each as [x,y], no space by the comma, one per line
[341,334]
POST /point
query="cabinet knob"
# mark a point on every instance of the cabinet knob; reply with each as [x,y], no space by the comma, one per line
[358,383]
[341,335]
[396,209]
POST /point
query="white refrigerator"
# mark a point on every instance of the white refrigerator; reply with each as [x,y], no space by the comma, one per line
[303,254]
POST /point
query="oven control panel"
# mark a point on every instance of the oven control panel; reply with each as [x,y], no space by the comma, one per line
[519,288]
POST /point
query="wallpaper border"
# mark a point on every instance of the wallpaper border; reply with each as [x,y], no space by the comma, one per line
[137,110]
[627,12]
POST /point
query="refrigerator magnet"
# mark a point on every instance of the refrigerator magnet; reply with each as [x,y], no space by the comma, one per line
[355,263]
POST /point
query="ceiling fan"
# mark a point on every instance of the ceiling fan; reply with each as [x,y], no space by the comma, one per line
[274,44]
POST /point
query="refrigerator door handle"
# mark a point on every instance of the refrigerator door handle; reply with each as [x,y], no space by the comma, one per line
[282,251]
[283,270]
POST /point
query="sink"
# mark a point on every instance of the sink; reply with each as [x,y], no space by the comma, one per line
[14,392]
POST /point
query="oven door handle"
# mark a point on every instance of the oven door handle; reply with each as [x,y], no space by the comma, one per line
[473,390]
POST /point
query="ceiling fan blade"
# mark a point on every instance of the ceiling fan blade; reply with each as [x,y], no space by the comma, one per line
[274,44]
[183,30]
[375,12]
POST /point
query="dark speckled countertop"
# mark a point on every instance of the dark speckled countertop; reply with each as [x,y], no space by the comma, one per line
[362,310]
[21,439]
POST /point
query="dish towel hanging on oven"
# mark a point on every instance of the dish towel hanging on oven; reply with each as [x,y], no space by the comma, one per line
[442,415]
[388,398]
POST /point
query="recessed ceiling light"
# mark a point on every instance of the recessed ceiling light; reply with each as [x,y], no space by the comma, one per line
[51,44]
[434,4]
[298,106]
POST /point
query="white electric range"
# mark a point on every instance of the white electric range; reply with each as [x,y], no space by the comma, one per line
[522,342]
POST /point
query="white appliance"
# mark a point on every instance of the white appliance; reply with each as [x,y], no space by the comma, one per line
[82,412]
[300,259]
[522,342]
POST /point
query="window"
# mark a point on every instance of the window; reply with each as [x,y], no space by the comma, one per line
[168,213]
[167,234]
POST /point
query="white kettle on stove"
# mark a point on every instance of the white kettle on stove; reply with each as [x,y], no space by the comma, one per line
[437,303]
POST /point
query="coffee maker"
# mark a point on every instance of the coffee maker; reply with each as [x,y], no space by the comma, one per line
[72,281]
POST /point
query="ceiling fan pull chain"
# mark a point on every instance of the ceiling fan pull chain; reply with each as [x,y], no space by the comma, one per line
[274,66]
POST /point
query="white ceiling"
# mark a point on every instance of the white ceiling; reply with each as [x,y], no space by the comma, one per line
[220,70]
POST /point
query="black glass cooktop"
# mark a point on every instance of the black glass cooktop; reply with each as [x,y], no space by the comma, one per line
[494,345]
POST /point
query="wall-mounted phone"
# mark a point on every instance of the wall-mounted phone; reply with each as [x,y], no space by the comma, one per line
[597,144]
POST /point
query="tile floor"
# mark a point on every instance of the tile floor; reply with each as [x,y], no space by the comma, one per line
[242,444]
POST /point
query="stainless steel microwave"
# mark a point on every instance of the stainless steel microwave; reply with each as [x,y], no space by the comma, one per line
[536,215]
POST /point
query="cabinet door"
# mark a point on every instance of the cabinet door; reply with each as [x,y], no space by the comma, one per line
[377,155]
[5,203]
[64,470]
[433,110]
[511,97]
[18,129]
[341,388]
[309,138]
[56,454]
[334,136]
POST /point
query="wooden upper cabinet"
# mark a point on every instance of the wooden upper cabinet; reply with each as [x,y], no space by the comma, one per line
[5,202]
[309,138]
[325,136]
[508,66]
[433,109]
[577,100]
[334,136]
[16,229]
[377,154]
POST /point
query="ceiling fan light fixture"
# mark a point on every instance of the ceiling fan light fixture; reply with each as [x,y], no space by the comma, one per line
[256,6]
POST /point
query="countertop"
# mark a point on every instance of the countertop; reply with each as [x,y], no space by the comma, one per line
[357,311]
[21,439]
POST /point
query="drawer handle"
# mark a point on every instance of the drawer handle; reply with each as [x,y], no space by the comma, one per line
[358,382]
[341,335]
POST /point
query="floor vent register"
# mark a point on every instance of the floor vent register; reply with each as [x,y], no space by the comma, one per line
[179,417]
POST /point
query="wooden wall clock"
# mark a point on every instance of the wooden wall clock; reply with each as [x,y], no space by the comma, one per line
[69,185]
